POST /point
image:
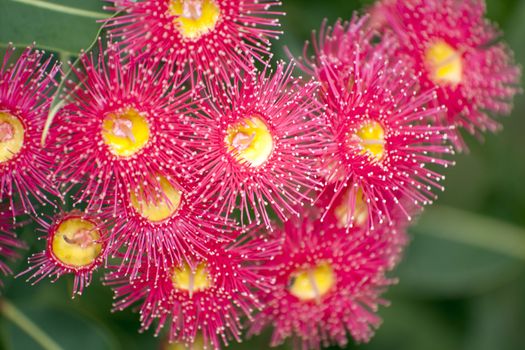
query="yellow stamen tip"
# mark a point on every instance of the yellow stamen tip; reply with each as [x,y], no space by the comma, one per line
[312,283]
[125,133]
[249,141]
[165,204]
[76,242]
[11,136]
[444,63]
[194,18]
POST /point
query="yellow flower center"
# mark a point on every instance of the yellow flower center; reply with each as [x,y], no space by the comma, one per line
[11,136]
[445,63]
[345,216]
[125,133]
[76,242]
[312,283]
[370,137]
[164,205]
[249,141]
[194,18]
[185,278]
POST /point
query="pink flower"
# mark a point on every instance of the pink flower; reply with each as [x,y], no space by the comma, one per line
[207,297]
[256,141]
[121,129]
[26,88]
[383,146]
[76,243]
[166,227]
[220,37]
[460,55]
[8,241]
[328,284]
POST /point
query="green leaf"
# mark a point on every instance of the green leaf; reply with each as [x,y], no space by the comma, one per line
[67,329]
[459,253]
[413,326]
[64,26]
[498,319]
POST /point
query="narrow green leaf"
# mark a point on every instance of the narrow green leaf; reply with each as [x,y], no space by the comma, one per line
[472,229]
[56,25]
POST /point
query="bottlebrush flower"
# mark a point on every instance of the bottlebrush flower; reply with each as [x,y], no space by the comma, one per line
[164,228]
[328,284]
[121,128]
[8,241]
[460,54]
[383,147]
[205,298]
[207,36]
[76,243]
[26,88]
[256,142]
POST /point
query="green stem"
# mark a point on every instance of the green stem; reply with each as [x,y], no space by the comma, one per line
[12,313]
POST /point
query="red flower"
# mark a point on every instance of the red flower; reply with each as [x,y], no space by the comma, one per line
[121,129]
[328,283]
[76,244]
[220,37]
[383,144]
[166,227]
[256,141]
[25,95]
[207,297]
[459,54]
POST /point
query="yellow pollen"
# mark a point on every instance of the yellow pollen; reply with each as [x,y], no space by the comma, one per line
[194,18]
[371,139]
[125,133]
[165,204]
[343,211]
[445,63]
[312,283]
[192,281]
[76,242]
[11,136]
[249,141]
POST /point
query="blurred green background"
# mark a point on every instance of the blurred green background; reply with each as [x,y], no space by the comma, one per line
[462,282]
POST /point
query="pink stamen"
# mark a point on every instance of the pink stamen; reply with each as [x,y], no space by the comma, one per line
[192,9]
[82,238]
[7,132]
[123,128]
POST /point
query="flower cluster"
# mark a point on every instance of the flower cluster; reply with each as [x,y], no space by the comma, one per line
[222,194]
